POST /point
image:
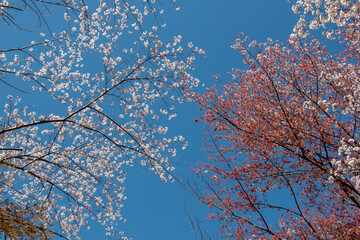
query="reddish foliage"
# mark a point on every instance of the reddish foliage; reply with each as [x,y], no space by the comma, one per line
[289,122]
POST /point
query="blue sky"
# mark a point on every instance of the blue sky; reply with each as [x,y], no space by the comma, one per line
[155,210]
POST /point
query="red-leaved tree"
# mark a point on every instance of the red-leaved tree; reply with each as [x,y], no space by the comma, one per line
[284,138]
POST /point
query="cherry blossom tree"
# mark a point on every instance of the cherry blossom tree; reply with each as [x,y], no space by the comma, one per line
[338,17]
[113,84]
[288,125]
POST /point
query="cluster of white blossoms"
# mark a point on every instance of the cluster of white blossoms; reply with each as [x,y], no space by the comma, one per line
[340,20]
[330,14]
[349,163]
[114,80]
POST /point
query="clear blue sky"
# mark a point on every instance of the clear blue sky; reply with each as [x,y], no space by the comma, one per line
[154,210]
